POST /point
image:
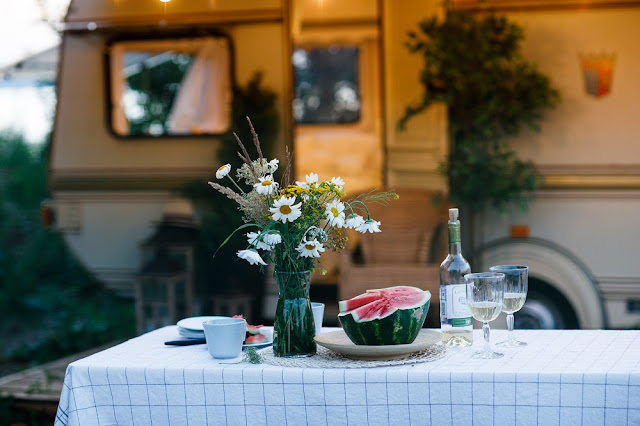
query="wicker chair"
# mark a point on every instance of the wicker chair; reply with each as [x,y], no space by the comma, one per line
[408,251]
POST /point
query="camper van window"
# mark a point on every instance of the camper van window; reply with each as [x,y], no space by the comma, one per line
[172,87]
[326,85]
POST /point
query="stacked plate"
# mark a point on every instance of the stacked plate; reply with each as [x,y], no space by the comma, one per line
[192,327]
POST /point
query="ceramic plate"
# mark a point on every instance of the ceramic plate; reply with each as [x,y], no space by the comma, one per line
[259,345]
[190,333]
[194,324]
[338,342]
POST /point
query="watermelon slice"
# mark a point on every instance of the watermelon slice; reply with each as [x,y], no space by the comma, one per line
[393,316]
[253,329]
[256,338]
[356,302]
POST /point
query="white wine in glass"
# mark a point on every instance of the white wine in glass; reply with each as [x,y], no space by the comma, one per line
[485,296]
[485,311]
[515,294]
[513,302]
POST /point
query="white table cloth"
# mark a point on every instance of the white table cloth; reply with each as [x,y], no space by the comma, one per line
[563,377]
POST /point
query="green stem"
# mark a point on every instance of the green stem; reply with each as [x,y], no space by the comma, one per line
[235,184]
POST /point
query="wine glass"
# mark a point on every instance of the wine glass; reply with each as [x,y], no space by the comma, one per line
[485,295]
[515,293]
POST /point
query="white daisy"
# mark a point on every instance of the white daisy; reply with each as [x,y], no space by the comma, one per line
[266,185]
[223,171]
[335,213]
[369,225]
[337,181]
[272,165]
[283,209]
[311,178]
[272,238]
[354,221]
[311,248]
[251,256]
[252,237]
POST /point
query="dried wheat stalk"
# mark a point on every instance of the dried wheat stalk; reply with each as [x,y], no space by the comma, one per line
[246,158]
[229,193]
[256,141]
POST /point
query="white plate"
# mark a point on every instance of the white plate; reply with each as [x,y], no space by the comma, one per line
[258,345]
[190,333]
[339,342]
[195,323]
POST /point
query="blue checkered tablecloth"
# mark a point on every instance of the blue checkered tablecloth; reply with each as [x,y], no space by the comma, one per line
[563,377]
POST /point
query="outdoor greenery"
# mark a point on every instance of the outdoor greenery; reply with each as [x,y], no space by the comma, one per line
[473,64]
[51,306]
[155,89]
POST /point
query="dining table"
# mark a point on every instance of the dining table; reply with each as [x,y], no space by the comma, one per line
[561,377]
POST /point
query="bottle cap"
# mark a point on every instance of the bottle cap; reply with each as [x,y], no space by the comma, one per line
[453,215]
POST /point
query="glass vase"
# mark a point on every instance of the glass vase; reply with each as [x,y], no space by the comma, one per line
[293,325]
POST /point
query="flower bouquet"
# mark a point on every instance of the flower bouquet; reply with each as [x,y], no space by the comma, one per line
[291,226]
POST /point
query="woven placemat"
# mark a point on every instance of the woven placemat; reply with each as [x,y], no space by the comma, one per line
[326,358]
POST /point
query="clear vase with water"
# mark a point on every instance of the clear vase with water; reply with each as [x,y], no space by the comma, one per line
[294,327]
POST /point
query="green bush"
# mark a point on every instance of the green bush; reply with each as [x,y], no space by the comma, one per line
[51,305]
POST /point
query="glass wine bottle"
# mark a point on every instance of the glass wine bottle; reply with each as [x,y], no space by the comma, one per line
[455,317]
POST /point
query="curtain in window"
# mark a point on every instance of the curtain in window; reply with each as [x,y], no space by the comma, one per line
[118,85]
[203,103]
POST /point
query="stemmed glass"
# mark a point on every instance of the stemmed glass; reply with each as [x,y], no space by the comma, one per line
[485,294]
[515,293]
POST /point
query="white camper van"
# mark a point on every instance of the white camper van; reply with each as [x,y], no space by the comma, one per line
[117,152]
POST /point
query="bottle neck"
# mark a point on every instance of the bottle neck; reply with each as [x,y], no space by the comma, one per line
[455,246]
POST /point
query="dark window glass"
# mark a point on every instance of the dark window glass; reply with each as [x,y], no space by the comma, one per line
[326,85]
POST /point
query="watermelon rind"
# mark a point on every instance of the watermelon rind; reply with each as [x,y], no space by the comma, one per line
[400,326]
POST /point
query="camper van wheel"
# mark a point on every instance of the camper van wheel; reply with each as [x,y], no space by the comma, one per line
[545,308]
[538,315]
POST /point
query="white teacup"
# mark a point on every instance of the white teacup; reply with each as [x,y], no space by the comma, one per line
[225,336]
[318,315]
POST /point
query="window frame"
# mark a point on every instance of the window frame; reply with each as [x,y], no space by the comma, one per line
[164,36]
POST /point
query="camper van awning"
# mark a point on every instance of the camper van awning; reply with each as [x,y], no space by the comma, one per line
[91,15]
[172,21]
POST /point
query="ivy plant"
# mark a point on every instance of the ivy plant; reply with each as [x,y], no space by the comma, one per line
[473,64]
